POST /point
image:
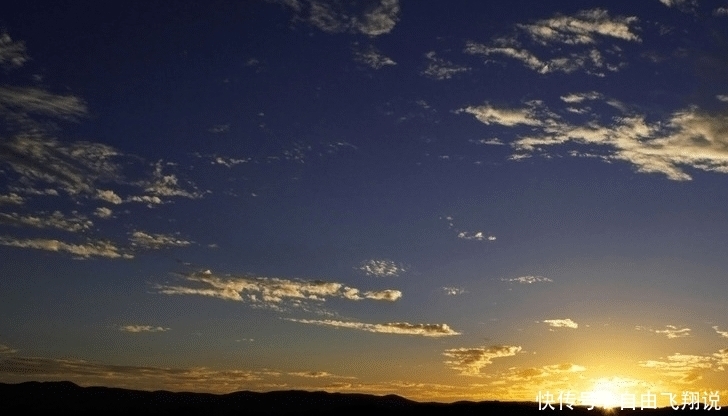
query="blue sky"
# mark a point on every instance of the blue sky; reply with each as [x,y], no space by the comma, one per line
[443,200]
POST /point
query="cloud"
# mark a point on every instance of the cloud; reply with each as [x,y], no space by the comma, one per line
[143,328]
[271,291]
[572,39]
[723,334]
[166,185]
[477,236]
[103,212]
[219,128]
[4,349]
[440,69]
[722,97]
[156,241]
[371,18]
[108,196]
[19,101]
[720,11]
[582,28]
[382,268]
[56,220]
[373,58]
[527,279]
[494,141]
[454,291]
[527,374]
[11,198]
[561,323]
[12,53]
[685,368]
[83,251]
[579,97]
[403,328]
[671,331]
[470,361]
[679,3]
[487,114]
[689,138]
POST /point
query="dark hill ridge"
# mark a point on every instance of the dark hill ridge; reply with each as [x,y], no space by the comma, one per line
[70,399]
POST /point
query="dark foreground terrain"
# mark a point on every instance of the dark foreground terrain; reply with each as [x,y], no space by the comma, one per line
[66,398]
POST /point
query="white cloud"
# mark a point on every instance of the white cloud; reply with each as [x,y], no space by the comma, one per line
[684,368]
[11,198]
[561,323]
[271,291]
[87,250]
[721,11]
[494,141]
[582,28]
[580,97]
[156,241]
[382,268]
[570,40]
[487,114]
[690,138]
[527,279]
[722,97]
[56,220]
[12,53]
[103,212]
[470,361]
[477,236]
[440,69]
[166,185]
[373,58]
[670,331]
[108,196]
[403,328]
[454,291]
[723,334]
[32,100]
[143,328]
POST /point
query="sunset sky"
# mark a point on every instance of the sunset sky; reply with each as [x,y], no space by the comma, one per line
[445,200]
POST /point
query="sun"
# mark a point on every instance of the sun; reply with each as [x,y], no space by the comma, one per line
[606,393]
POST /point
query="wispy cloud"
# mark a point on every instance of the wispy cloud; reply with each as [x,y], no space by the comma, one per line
[689,138]
[4,349]
[373,58]
[580,97]
[402,328]
[470,361]
[440,69]
[11,199]
[56,220]
[372,18]
[670,331]
[382,268]
[143,328]
[317,374]
[82,251]
[156,241]
[271,291]
[561,323]
[103,212]
[684,368]
[722,97]
[720,11]
[577,34]
[453,291]
[527,279]
[12,53]
[477,236]
[723,334]
[32,100]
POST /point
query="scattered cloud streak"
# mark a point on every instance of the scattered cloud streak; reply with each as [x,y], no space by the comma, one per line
[382,268]
[527,280]
[440,69]
[272,291]
[670,331]
[156,241]
[371,18]
[80,251]
[470,361]
[579,34]
[453,291]
[401,328]
[561,323]
[373,58]
[723,334]
[143,328]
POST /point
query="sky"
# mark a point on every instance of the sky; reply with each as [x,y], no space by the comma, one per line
[445,200]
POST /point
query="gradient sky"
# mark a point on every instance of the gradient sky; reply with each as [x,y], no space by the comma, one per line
[443,200]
